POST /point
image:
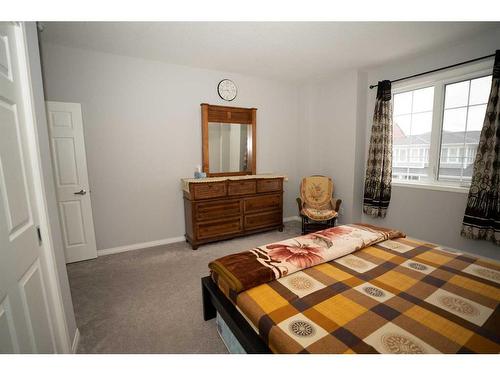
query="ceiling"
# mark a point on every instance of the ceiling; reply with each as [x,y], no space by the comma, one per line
[286,51]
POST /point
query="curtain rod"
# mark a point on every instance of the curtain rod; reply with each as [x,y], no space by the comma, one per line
[437,70]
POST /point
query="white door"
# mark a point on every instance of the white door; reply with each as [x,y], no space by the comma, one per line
[72,182]
[25,323]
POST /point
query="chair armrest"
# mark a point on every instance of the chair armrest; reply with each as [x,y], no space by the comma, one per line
[299,204]
[336,204]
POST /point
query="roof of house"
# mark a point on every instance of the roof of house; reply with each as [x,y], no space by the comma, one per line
[471,137]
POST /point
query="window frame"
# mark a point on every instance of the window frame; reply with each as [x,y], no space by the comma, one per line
[439,81]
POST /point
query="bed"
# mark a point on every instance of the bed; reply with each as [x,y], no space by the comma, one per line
[375,291]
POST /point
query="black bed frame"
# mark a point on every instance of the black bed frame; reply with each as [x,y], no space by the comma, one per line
[215,301]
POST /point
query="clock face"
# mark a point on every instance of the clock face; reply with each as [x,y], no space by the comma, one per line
[227,90]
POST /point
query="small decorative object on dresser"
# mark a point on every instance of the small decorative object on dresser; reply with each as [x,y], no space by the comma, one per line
[198,173]
[219,208]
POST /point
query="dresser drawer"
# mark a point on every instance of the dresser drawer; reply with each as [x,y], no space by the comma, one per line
[219,228]
[217,209]
[263,203]
[241,187]
[266,219]
[208,190]
[269,184]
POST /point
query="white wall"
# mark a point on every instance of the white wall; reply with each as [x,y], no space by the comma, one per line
[428,214]
[143,134]
[328,115]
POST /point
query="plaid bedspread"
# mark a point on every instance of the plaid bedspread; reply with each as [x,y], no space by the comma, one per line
[398,296]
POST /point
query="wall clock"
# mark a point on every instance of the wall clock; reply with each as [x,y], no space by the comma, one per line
[227,90]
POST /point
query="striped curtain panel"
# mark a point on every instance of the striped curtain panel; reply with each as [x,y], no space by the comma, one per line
[378,174]
[482,214]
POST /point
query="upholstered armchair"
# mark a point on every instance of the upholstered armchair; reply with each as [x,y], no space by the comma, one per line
[318,209]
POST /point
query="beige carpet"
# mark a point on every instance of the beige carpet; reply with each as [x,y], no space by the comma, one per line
[149,300]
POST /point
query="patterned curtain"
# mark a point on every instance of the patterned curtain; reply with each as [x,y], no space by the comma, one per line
[379,165]
[482,214]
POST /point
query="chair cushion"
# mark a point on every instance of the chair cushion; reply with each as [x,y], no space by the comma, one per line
[316,191]
[317,214]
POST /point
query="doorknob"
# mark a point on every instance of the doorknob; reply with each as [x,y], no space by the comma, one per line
[81,192]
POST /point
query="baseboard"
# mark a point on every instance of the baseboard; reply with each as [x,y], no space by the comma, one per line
[137,246]
[76,341]
[165,241]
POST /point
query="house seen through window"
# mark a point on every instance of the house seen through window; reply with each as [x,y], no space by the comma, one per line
[436,131]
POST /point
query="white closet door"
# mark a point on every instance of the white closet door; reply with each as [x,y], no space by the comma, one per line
[72,183]
[25,324]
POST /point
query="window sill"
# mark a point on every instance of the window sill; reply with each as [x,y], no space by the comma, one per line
[431,186]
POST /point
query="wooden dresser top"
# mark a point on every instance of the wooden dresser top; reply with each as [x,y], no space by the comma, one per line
[187,181]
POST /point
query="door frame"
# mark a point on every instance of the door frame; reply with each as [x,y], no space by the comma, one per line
[30,67]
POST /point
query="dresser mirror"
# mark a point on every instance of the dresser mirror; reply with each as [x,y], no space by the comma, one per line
[228,146]
[228,140]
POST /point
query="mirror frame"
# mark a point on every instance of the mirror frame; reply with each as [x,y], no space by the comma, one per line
[229,115]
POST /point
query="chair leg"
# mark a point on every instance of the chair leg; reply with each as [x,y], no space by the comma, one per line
[307,223]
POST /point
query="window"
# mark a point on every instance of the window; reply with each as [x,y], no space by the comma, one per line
[436,127]
[464,110]
[411,133]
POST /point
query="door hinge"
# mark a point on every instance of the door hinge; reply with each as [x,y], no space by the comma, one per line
[39,234]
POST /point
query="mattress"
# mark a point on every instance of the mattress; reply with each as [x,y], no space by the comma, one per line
[396,296]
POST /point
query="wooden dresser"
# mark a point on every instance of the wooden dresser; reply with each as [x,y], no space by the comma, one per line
[219,208]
